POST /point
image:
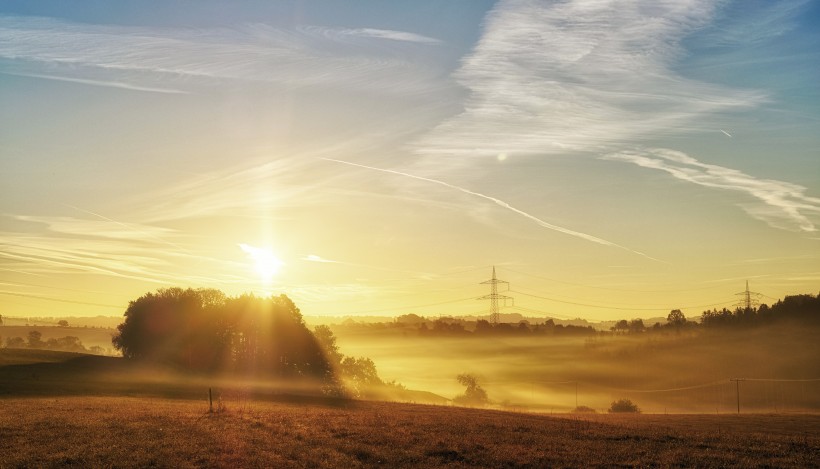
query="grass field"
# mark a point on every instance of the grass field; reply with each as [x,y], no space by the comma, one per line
[160,432]
[70,410]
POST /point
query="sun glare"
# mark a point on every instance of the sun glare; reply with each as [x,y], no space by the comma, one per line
[266,263]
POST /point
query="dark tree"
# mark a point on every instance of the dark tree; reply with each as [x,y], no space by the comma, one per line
[360,375]
[474,394]
[676,318]
[620,326]
[15,342]
[636,325]
[35,339]
[327,341]
[62,323]
[482,326]
[66,344]
[623,405]
[203,330]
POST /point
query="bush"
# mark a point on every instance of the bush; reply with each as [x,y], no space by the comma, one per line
[624,406]
[582,409]
[474,395]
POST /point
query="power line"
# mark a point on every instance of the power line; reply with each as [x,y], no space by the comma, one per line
[685,388]
[775,380]
[531,310]
[38,297]
[607,288]
[611,307]
[404,307]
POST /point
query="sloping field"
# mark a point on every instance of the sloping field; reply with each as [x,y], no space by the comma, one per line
[143,432]
[74,410]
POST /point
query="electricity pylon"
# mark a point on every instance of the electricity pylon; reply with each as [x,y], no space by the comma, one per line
[748,299]
[494,296]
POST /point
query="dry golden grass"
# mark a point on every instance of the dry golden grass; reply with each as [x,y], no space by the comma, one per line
[144,432]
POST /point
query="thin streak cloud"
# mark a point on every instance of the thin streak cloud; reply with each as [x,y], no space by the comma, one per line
[110,84]
[146,58]
[500,203]
[391,35]
[781,204]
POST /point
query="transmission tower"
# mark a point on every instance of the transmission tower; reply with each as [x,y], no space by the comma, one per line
[748,299]
[494,296]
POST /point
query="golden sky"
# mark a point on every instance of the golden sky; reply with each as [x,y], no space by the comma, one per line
[381,159]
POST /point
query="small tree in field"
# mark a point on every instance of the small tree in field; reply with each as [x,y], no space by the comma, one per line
[35,339]
[676,318]
[474,394]
[623,406]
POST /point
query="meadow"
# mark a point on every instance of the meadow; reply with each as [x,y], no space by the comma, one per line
[161,432]
[73,410]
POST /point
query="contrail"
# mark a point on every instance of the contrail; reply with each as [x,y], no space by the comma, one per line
[503,204]
[110,84]
[726,133]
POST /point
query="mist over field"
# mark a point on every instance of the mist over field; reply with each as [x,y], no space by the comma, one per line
[684,373]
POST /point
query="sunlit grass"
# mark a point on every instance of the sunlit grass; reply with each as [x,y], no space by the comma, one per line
[140,432]
[90,411]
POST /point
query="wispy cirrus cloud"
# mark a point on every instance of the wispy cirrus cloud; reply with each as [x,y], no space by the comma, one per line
[577,76]
[255,190]
[69,245]
[173,59]
[780,204]
[752,26]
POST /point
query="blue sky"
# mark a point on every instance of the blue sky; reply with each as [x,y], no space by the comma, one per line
[616,158]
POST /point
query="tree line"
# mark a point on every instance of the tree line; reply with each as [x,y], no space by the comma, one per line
[34,340]
[804,309]
[800,309]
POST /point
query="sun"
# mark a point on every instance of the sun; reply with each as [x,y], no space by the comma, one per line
[266,263]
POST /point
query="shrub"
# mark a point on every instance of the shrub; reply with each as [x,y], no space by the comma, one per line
[582,409]
[624,405]
[474,394]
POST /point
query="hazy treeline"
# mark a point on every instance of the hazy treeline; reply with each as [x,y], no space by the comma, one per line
[412,324]
[450,326]
[34,340]
[804,309]
[800,309]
